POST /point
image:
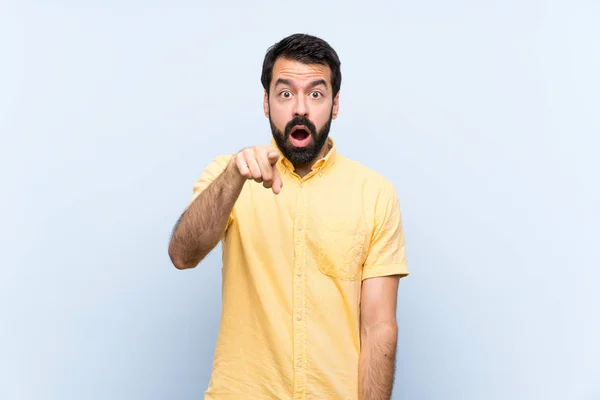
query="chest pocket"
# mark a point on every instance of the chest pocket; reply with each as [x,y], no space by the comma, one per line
[341,248]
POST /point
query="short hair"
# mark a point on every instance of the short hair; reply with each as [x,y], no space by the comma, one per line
[306,49]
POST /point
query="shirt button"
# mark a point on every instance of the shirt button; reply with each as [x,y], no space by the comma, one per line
[299,227]
[299,273]
[299,364]
[302,185]
[299,317]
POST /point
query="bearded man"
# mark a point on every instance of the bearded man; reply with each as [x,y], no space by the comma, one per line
[313,247]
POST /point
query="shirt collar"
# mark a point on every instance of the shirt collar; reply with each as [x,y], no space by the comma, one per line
[320,166]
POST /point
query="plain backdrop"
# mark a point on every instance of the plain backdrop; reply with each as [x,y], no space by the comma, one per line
[484,114]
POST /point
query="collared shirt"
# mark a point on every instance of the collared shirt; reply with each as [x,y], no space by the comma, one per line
[293,265]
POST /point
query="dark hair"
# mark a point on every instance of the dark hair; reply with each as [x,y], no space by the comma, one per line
[306,49]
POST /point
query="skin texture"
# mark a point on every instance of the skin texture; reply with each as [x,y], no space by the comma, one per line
[303,90]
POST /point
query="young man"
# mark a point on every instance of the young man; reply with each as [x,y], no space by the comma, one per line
[313,248]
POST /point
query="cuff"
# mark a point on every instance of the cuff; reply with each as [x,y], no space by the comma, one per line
[385,270]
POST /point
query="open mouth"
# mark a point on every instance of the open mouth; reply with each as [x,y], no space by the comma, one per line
[300,136]
[300,133]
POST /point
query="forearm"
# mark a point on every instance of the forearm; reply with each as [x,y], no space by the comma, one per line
[377,361]
[202,225]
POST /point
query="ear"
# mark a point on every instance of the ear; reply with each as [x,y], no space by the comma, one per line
[266,104]
[336,106]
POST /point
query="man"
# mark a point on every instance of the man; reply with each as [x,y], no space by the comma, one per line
[313,248]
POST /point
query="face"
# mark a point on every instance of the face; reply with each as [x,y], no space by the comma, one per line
[300,108]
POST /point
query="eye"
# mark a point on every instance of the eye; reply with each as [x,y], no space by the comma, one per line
[316,95]
[286,94]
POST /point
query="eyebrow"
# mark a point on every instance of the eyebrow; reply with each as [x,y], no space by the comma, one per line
[283,81]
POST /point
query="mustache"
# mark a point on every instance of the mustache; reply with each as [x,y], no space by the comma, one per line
[300,121]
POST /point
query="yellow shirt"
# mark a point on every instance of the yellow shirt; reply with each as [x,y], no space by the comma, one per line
[293,264]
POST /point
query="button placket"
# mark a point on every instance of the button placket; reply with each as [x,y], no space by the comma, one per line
[299,288]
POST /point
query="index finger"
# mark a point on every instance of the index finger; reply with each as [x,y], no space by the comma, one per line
[277,182]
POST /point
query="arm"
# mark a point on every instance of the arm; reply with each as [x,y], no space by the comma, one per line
[379,333]
[383,268]
[201,226]
[203,223]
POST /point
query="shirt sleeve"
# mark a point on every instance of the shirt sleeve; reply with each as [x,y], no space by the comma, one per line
[208,176]
[387,253]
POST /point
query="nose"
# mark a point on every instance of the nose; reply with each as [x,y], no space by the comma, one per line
[300,107]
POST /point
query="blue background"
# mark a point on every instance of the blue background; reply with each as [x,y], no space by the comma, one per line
[484,114]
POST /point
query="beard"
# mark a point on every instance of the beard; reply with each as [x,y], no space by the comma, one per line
[301,155]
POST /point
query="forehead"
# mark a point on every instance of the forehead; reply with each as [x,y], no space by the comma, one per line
[300,72]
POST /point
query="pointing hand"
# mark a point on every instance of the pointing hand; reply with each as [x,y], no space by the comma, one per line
[259,163]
